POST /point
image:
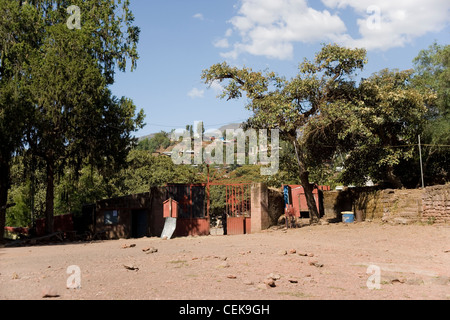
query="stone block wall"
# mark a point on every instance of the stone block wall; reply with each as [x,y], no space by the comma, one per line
[366,203]
[436,204]
[276,205]
[403,206]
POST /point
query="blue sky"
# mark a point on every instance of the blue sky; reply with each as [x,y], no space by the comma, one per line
[180,38]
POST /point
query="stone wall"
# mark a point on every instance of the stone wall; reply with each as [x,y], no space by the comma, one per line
[366,203]
[436,204]
[276,205]
[403,206]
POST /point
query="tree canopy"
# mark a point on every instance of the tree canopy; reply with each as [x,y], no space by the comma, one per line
[289,105]
[71,116]
[324,111]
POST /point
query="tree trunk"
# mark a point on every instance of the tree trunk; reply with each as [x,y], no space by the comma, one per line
[314,215]
[49,197]
[4,187]
[393,179]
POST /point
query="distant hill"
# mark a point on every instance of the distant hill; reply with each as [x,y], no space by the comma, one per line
[233,126]
[149,136]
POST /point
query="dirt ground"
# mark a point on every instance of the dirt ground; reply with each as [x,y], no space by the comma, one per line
[315,262]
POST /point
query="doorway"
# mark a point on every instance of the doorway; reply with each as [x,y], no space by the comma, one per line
[139,223]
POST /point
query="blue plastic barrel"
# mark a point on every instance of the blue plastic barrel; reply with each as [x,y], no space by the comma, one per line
[348,217]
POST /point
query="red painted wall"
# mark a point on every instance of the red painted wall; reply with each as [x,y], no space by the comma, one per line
[60,223]
[192,227]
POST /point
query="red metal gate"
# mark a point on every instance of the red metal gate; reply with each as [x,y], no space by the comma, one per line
[238,208]
[238,200]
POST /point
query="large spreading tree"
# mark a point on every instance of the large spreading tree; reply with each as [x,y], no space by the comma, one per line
[324,111]
[289,105]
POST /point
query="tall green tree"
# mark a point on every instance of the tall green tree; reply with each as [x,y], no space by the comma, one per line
[289,105]
[19,29]
[432,72]
[75,117]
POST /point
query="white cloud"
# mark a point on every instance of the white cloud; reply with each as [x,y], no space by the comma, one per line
[221,43]
[271,28]
[198,16]
[397,22]
[196,93]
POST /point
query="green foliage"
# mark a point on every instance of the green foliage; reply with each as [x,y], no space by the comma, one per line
[18,34]
[158,141]
[432,72]
[324,114]
[290,105]
[54,87]
[382,130]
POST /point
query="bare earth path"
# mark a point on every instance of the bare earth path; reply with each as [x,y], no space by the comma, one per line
[414,262]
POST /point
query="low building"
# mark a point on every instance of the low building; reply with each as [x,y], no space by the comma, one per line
[141,215]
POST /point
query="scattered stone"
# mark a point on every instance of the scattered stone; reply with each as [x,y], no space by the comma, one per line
[15,276]
[150,250]
[49,292]
[224,265]
[274,276]
[131,267]
[248,282]
[270,283]
[292,251]
[316,264]
[221,258]
[231,276]
[126,246]
[309,254]
[282,252]
[293,280]
[396,280]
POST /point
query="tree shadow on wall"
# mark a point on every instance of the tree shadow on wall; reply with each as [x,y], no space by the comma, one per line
[356,200]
